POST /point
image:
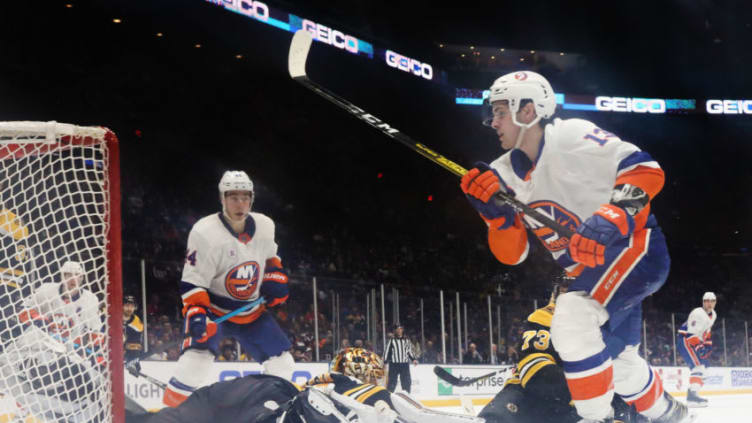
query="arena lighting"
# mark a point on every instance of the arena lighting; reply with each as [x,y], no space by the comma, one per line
[116,20]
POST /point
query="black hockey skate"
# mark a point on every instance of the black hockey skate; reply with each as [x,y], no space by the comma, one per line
[695,401]
[677,412]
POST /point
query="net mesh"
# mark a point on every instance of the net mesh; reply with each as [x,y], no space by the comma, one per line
[54,208]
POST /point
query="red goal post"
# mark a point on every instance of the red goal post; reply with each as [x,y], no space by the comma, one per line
[60,201]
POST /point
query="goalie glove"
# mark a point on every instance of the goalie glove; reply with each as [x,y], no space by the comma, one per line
[606,226]
[480,185]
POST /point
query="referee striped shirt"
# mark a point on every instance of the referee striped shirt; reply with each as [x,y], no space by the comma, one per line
[399,350]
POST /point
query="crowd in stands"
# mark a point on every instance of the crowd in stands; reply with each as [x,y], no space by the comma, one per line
[337,258]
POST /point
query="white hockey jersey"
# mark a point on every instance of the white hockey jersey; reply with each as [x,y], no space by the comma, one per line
[575,172]
[225,268]
[73,317]
[699,323]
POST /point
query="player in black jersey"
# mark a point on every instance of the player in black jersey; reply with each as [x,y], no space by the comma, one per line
[355,375]
[537,392]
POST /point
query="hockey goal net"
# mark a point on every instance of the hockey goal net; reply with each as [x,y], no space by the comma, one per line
[61,342]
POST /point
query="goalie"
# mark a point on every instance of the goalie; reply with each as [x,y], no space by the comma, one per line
[351,391]
[41,370]
[68,312]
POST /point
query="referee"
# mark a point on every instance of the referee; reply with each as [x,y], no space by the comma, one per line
[398,354]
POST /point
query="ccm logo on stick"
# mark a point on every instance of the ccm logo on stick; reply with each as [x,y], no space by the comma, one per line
[407,64]
[729,107]
[331,36]
[626,104]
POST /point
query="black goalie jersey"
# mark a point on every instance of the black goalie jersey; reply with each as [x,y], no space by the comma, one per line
[365,393]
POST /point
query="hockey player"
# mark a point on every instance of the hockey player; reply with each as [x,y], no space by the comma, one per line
[133,329]
[359,373]
[589,180]
[695,342]
[50,367]
[341,396]
[231,260]
[69,312]
[537,390]
[355,373]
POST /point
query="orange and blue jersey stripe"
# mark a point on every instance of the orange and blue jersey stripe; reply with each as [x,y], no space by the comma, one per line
[590,378]
[648,395]
[621,267]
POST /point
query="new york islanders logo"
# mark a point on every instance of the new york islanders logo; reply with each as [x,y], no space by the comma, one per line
[242,280]
[554,211]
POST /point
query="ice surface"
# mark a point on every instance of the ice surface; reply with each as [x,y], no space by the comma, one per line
[721,409]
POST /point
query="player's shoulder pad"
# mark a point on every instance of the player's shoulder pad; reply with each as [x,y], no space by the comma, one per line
[502,161]
[566,133]
[207,223]
[89,296]
[136,324]
[49,287]
[262,219]
[264,224]
[698,311]
[542,316]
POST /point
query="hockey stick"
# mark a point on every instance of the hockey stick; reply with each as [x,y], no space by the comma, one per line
[163,348]
[299,48]
[137,373]
[447,377]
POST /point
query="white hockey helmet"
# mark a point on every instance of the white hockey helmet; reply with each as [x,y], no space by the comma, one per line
[235,180]
[524,85]
[708,296]
[72,268]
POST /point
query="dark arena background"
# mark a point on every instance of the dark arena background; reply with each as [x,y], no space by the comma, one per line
[195,87]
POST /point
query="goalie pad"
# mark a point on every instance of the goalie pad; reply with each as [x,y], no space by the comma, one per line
[412,411]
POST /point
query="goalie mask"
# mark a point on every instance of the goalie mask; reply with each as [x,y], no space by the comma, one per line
[518,86]
[361,364]
[234,180]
